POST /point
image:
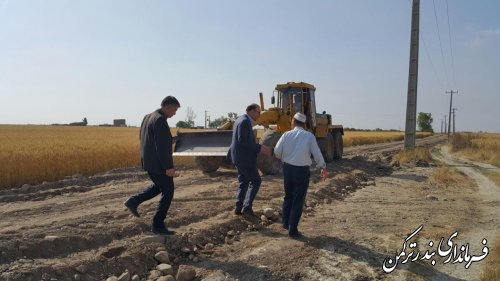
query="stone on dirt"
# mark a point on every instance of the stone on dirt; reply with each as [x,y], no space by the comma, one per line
[162,257]
[166,278]
[124,277]
[269,213]
[165,269]
[112,278]
[51,237]
[432,197]
[153,239]
[185,273]
[135,278]
[25,188]
[153,274]
[82,268]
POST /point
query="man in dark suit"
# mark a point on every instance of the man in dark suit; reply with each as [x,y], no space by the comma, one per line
[156,159]
[243,152]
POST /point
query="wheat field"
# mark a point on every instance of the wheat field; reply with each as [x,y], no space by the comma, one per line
[353,138]
[484,147]
[32,154]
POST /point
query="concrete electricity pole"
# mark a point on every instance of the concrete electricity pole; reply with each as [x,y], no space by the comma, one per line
[441,126]
[411,101]
[449,115]
[454,110]
[445,123]
[207,119]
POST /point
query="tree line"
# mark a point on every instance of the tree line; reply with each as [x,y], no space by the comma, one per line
[424,121]
[188,122]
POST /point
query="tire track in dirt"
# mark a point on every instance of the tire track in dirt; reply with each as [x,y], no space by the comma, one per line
[380,148]
[487,223]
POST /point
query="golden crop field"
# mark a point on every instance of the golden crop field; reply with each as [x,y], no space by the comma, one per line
[477,147]
[353,138]
[33,154]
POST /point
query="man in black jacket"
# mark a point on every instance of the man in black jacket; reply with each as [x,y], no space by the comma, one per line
[156,159]
[243,153]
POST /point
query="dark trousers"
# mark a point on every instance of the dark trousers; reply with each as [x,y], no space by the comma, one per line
[296,184]
[161,184]
[249,180]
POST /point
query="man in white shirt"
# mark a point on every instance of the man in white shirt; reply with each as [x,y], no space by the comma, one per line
[294,148]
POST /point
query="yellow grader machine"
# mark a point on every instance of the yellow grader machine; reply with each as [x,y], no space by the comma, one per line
[210,147]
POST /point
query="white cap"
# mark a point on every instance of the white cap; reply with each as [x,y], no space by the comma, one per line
[300,117]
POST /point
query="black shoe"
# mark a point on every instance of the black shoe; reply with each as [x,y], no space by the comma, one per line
[162,231]
[237,212]
[249,213]
[295,235]
[130,204]
[284,226]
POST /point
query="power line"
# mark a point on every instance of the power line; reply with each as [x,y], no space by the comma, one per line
[430,59]
[451,49]
[440,44]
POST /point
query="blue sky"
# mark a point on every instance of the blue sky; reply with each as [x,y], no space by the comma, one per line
[61,61]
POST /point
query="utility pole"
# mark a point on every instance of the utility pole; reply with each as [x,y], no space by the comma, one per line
[445,123]
[206,119]
[454,110]
[411,100]
[441,126]
[449,116]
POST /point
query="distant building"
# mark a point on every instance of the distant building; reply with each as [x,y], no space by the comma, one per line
[119,123]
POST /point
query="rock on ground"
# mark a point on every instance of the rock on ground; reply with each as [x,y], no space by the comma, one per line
[185,273]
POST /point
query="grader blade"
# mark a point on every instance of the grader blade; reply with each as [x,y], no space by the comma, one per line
[207,143]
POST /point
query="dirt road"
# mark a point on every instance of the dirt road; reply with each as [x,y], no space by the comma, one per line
[78,229]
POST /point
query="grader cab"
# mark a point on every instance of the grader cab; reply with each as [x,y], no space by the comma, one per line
[210,147]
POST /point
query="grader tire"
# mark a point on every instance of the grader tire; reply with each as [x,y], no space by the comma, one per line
[338,147]
[208,164]
[326,145]
[268,164]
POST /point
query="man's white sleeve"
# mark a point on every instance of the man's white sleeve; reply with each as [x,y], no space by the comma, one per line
[278,149]
[318,157]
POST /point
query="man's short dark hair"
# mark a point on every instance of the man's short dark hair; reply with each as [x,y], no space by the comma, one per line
[170,100]
[253,106]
